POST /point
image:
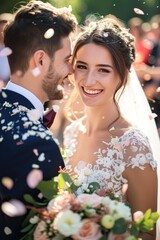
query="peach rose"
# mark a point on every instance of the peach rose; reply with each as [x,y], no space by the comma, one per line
[89,199]
[89,231]
[60,203]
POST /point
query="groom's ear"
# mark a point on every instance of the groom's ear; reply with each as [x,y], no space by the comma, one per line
[41,60]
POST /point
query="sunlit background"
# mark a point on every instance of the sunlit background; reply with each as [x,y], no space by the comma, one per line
[123,9]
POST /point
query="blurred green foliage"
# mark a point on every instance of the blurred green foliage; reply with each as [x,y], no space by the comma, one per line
[123,9]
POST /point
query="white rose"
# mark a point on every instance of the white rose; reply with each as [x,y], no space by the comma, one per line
[67,223]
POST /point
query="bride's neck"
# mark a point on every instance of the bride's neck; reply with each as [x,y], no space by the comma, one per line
[98,119]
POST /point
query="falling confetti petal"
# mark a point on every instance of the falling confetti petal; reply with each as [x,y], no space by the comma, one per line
[15,136]
[4,95]
[158,89]
[35,166]
[7,182]
[112,128]
[70,8]
[34,177]
[41,157]
[35,151]
[34,115]
[1,139]
[49,33]
[138,11]
[152,116]
[36,71]
[13,208]
[5,52]
[55,108]
[7,231]
[105,34]
[18,73]
[60,88]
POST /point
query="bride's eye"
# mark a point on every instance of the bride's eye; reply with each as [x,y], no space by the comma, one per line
[104,70]
[80,66]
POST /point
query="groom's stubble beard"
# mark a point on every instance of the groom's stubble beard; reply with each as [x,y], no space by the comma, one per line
[50,83]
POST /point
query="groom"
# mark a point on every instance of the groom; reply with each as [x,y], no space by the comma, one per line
[38,48]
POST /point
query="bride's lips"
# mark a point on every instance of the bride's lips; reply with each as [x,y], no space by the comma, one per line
[91,92]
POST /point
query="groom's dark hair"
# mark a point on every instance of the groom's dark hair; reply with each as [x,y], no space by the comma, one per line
[26,33]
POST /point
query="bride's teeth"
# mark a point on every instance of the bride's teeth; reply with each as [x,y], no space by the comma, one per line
[92,91]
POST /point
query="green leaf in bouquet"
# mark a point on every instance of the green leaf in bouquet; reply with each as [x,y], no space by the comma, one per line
[29,234]
[155,216]
[92,187]
[120,226]
[147,225]
[26,221]
[65,182]
[28,228]
[147,214]
[29,199]
[134,230]
[48,188]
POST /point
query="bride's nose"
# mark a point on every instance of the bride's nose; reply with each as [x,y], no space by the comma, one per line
[89,79]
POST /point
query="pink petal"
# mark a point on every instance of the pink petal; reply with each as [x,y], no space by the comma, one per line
[158,89]
[152,116]
[5,52]
[34,177]
[18,73]
[13,208]
[35,151]
[127,142]
[118,147]
[138,11]
[36,71]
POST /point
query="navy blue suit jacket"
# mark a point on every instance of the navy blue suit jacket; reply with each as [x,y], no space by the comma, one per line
[19,136]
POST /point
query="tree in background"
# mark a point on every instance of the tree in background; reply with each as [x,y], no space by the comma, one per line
[123,9]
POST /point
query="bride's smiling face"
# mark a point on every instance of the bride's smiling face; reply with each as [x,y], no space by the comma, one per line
[96,78]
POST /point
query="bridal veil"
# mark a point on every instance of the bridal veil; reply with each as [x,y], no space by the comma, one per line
[134,106]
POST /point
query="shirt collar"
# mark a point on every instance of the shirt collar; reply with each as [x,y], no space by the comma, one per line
[27,94]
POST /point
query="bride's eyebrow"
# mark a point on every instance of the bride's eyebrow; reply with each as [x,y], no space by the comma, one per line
[78,61]
[104,65]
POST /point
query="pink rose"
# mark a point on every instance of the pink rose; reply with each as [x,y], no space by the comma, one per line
[38,234]
[60,203]
[89,199]
[118,236]
[89,231]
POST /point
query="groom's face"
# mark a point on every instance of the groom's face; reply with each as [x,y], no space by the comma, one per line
[58,71]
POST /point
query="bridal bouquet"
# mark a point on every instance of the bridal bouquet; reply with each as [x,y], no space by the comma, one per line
[92,215]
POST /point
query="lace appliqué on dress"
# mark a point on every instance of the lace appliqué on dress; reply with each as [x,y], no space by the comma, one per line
[132,149]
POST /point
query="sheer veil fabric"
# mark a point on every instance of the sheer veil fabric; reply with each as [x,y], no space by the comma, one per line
[134,106]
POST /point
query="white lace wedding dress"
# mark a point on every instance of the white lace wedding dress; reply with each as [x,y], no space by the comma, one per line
[131,149]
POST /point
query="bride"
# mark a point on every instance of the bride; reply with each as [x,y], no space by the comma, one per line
[105,146]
